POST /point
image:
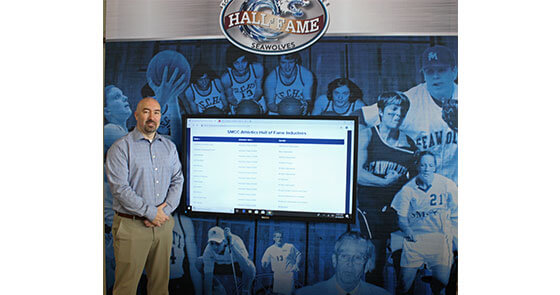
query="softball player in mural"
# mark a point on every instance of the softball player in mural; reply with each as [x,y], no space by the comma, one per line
[427,210]
[283,258]
[343,97]
[205,92]
[242,79]
[291,82]
[385,161]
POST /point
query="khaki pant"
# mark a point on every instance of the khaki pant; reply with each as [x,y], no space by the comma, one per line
[137,247]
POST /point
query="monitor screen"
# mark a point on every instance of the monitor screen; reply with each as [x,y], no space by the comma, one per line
[271,167]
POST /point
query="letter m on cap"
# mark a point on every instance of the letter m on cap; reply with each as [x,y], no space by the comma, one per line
[432,56]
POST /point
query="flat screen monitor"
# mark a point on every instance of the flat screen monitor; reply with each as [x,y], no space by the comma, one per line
[277,167]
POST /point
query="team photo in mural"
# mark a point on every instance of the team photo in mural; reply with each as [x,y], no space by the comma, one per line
[404,93]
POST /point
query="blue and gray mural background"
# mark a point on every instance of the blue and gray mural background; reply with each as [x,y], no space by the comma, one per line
[375,64]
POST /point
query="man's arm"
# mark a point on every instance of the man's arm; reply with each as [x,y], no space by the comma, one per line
[222,95]
[320,105]
[270,90]
[265,261]
[228,91]
[259,74]
[208,260]
[176,185]
[117,177]
[307,78]
[190,100]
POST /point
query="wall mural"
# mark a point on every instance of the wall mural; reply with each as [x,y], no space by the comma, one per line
[403,89]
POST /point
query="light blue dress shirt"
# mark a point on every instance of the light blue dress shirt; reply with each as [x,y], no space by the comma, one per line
[143,175]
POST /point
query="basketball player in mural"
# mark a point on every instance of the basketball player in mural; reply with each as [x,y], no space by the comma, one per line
[427,215]
[283,258]
[167,75]
[242,80]
[432,118]
[116,111]
[343,97]
[352,257]
[288,88]
[205,94]
[385,162]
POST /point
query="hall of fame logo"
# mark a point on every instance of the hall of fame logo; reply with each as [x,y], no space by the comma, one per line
[273,27]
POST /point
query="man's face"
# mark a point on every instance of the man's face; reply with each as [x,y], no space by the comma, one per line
[439,80]
[277,239]
[341,95]
[350,262]
[287,66]
[427,168]
[217,247]
[241,65]
[148,115]
[117,104]
[391,116]
[203,82]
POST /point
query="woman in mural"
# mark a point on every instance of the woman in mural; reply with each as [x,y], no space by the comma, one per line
[205,94]
[342,98]
[385,161]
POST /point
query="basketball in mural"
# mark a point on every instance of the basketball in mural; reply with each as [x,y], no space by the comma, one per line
[248,107]
[213,111]
[171,59]
[290,106]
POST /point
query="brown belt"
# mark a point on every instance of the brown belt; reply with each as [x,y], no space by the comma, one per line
[130,216]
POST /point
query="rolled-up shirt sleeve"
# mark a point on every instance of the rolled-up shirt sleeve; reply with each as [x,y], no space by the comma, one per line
[117,169]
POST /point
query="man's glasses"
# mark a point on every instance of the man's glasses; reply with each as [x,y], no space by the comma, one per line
[355,259]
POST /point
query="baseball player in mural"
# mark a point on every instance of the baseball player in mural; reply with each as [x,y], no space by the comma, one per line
[116,111]
[168,75]
[432,118]
[353,255]
[283,258]
[205,94]
[385,161]
[343,97]
[184,276]
[288,88]
[225,253]
[427,214]
[243,79]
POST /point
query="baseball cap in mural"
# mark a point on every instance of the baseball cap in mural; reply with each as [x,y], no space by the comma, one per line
[437,56]
[216,234]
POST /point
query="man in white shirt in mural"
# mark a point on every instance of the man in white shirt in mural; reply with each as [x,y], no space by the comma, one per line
[283,258]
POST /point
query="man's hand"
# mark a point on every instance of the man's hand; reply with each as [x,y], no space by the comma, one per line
[227,234]
[148,223]
[161,217]
[169,88]
[409,235]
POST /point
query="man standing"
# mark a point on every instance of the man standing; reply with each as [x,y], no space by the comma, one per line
[144,174]
[353,254]
[429,102]
[284,259]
